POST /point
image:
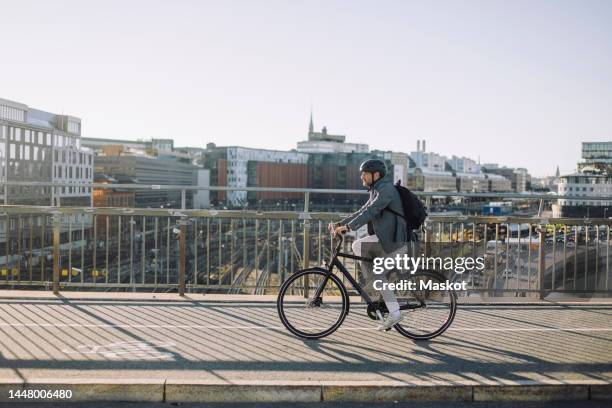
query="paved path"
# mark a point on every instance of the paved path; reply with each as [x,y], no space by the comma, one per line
[240,342]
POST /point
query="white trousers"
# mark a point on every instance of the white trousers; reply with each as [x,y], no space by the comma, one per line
[370,247]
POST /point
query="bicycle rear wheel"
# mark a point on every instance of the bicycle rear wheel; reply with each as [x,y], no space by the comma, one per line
[309,316]
[427,311]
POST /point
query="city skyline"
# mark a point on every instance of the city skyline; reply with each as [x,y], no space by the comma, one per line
[521,84]
[419,148]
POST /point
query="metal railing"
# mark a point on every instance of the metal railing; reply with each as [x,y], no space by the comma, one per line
[307,192]
[233,251]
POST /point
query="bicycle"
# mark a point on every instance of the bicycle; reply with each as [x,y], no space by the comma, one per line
[319,315]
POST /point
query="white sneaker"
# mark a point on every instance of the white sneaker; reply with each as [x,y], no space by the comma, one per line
[390,321]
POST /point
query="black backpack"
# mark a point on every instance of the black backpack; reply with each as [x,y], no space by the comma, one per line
[414,210]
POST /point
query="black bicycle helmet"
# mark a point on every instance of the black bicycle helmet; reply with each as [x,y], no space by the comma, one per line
[373,166]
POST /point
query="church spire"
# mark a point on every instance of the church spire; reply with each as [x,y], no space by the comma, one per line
[311,126]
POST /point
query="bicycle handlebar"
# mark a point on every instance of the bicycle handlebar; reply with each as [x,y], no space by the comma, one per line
[340,237]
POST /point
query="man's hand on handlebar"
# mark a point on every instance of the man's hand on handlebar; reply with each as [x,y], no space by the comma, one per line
[340,229]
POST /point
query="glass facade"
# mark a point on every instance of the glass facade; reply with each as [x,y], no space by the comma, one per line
[596,154]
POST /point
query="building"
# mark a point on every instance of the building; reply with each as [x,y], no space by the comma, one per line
[429,172]
[97,144]
[593,179]
[425,179]
[39,146]
[112,197]
[229,166]
[463,165]
[148,162]
[472,182]
[520,178]
[497,183]
[152,147]
[276,175]
[323,142]
[163,145]
[469,176]
[427,160]
[235,166]
[336,170]
[584,185]
[148,170]
[194,152]
[596,156]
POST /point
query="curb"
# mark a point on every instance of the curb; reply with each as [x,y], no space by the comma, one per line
[95,390]
[178,392]
[565,392]
[391,393]
[170,391]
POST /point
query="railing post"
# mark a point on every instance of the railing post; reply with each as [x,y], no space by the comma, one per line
[540,207]
[181,283]
[306,256]
[280,251]
[427,239]
[306,217]
[56,251]
[541,262]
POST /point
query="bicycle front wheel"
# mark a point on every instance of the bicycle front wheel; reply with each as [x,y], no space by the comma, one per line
[304,313]
[429,308]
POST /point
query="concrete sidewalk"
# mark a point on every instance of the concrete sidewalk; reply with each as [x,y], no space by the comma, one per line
[231,350]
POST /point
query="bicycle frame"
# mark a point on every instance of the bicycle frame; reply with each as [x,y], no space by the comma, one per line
[336,262]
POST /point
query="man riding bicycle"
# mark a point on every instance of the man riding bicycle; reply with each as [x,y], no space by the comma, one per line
[386,237]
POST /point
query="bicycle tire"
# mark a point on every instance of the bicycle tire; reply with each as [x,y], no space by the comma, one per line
[452,296]
[280,304]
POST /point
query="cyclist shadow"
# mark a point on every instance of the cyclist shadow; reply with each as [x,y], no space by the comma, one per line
[446,351]
[355,347]
[333,349]
[416,352]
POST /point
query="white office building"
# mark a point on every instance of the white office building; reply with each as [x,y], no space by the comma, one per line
[39,146]
[464,165]
[594,179]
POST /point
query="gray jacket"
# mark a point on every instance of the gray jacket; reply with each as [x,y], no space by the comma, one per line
[388,227]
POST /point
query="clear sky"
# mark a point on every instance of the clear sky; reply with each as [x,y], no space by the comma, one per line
[520,83]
